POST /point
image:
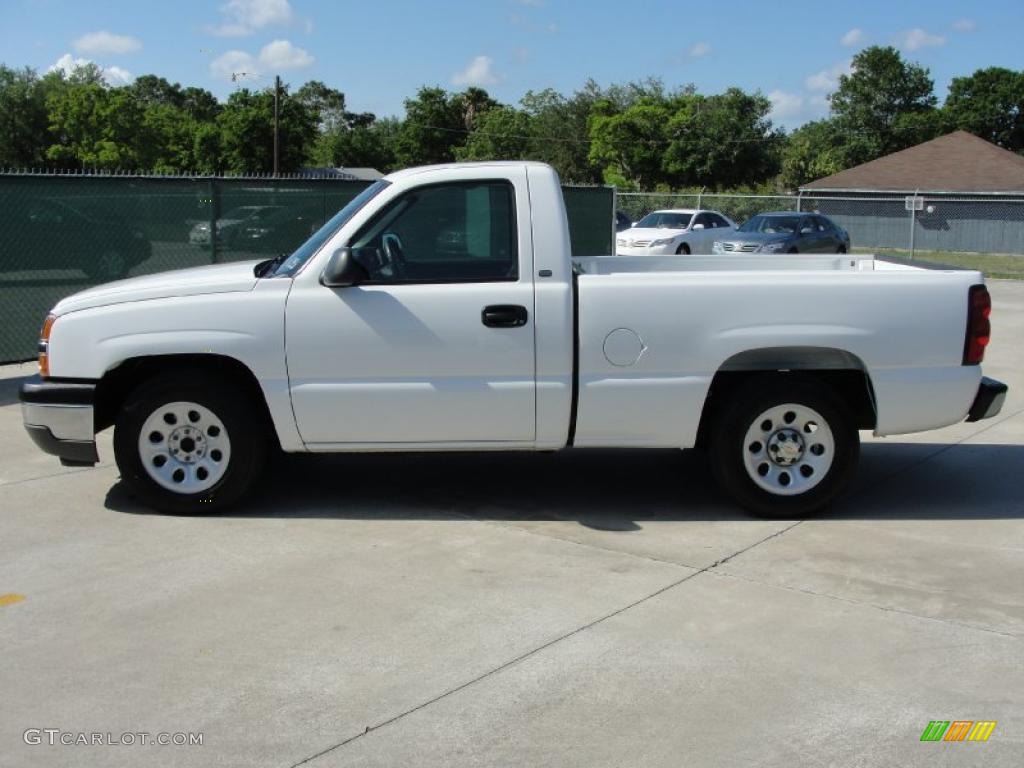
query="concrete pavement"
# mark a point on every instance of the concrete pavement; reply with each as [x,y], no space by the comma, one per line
[587,608]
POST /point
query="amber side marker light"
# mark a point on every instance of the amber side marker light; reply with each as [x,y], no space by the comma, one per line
[44,345]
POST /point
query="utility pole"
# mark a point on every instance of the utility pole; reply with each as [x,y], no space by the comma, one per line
[277,99]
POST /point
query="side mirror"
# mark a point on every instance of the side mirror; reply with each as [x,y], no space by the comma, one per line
[698,226]
[343,270]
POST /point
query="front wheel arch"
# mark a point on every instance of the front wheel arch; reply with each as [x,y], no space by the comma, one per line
[117,383]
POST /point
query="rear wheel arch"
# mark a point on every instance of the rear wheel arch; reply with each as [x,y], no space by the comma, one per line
[838,370]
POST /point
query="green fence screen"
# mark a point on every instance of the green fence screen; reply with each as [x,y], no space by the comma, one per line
[62,234]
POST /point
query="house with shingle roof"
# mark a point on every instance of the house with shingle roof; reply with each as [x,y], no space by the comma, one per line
[967,195]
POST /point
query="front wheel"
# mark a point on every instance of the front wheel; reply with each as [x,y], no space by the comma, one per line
[189,444]
[785,447]
[683,250]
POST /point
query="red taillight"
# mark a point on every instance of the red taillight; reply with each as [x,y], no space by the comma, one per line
[979,329]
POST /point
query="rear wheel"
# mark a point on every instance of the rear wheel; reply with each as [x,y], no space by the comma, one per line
[792,250]
[785,448]
[189,443]
[841,249]
[683,250]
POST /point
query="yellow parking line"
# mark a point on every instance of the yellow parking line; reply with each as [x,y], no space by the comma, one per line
[10,599]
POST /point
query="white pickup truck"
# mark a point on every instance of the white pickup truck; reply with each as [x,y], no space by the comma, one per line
[441,310]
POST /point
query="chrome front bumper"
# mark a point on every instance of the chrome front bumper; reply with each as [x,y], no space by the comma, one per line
[58,416]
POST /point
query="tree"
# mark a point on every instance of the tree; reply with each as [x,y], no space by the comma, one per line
[200,104]
[684,139]
[812,151]
[721,141]
[989,104]
[472,104]
[434,126]
[151,91]
[363,142]
[630,143]
[502,133]
[328,104]
[94,126]
[24,124]
[561,133]
[247,132]
[872,103]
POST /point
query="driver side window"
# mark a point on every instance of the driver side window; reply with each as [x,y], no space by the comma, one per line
[444,233]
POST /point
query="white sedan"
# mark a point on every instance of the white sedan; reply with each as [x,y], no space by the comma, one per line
[679,231]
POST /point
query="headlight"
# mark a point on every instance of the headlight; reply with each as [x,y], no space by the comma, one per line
[44,345]
[772,247]
[716,247]
[663,241]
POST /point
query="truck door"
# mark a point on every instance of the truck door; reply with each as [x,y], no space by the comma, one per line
[437,345]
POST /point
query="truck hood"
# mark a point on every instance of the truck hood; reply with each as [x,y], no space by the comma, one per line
[216,278]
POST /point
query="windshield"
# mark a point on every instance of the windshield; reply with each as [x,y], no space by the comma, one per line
[305,252]
[663,220]
[772,225]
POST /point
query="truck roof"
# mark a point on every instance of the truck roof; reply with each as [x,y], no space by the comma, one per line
[395,176]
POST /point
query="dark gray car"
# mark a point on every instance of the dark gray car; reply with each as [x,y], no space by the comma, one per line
[786,232]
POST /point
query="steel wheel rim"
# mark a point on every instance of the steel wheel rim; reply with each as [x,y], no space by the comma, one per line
[788,449]
[184,447]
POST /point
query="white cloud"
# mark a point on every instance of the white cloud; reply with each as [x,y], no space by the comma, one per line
[274,56]
[828,79]
[854,37]
[243,17]
[699,49]
[479,72]
[106,43]
[964,25]
[233,63]
[785,106]
[112,75]
[794,109]
[117,76]
[917,38]
[281,54]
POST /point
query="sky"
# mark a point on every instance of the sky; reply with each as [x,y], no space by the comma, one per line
[379,53]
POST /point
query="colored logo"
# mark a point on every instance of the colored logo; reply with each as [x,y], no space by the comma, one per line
[958,730]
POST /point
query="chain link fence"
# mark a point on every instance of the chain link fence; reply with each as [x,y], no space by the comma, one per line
[936,225]
[60,234]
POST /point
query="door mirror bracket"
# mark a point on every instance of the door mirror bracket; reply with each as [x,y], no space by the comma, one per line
[343,271]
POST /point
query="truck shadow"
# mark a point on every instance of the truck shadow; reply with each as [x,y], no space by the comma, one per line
[616,490]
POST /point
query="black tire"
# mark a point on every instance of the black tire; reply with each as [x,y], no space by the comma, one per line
[243,420]
[683,250]
[792,250]
[728,444]
[841,249]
